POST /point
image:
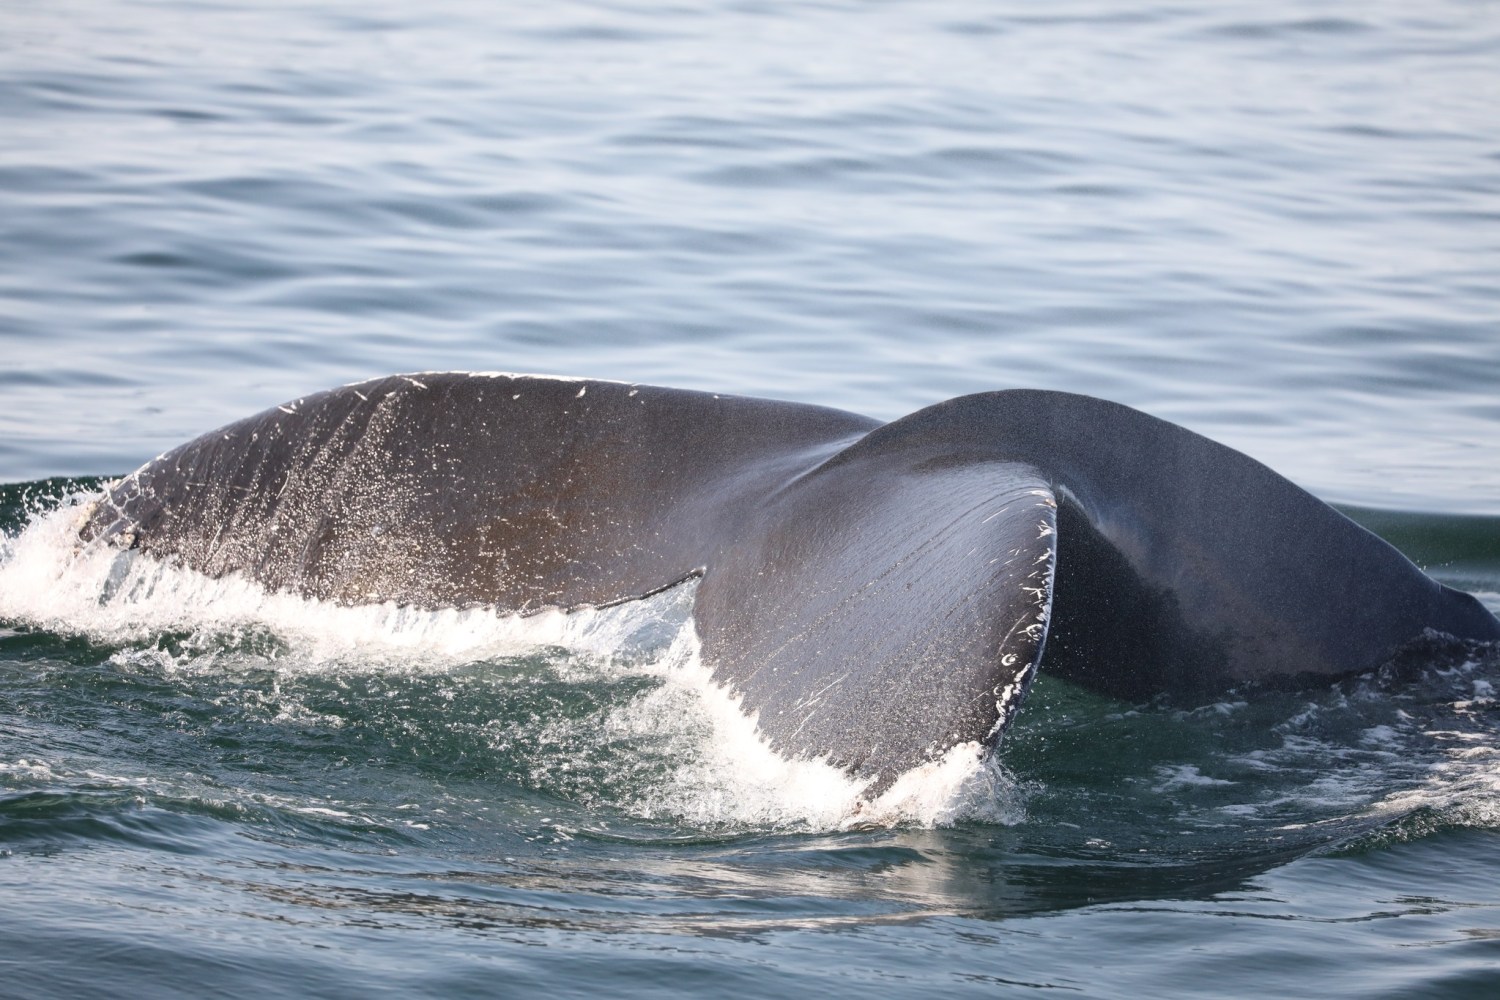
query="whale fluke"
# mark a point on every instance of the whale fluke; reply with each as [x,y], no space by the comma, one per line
[875,593]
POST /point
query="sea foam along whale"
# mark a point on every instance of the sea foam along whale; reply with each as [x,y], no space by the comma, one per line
[875,593]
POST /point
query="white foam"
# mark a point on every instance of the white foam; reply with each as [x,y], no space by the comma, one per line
[1464,788]
[50,581]
[734,779]
[1381,736]
[1185,776]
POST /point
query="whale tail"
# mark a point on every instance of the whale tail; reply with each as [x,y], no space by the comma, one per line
[876,594]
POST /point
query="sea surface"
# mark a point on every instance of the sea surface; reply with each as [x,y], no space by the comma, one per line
[1276,223]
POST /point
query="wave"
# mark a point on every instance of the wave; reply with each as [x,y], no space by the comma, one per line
[687,752]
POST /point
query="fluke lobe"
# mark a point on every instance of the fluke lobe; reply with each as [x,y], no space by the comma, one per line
[876,593]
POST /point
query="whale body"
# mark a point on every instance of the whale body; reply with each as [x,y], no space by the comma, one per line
[876,593]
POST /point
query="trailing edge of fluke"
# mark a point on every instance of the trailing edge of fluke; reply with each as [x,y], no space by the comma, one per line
[875,593]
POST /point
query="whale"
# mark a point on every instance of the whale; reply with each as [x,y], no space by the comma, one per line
[875,594]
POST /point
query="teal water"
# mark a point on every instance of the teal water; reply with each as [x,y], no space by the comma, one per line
[1278,224]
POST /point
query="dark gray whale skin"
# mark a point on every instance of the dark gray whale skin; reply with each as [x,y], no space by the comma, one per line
[875,593]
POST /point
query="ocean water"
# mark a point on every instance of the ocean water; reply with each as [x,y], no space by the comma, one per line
[1275,223]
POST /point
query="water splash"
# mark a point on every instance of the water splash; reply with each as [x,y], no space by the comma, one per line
[676,745]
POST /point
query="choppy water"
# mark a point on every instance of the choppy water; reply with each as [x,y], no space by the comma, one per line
[1278,224]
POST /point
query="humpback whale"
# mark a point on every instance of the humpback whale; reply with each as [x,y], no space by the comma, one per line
[875,593]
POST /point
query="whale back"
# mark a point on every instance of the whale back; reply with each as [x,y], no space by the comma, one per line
[1187,566]
[874,594]
[457,490]
[881,611]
